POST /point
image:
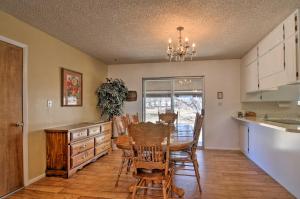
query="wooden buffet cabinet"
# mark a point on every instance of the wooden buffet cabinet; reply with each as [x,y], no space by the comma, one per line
[69,148]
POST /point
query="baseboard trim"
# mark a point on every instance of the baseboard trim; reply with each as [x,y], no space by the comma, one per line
[33,180]
[220,148]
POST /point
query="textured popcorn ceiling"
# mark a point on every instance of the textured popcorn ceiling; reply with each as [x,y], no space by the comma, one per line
[133,31]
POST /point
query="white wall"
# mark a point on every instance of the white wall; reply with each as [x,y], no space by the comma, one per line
[221,132]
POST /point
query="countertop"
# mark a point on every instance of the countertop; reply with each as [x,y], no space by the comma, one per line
[291,128]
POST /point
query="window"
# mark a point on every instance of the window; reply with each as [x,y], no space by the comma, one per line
[179,94]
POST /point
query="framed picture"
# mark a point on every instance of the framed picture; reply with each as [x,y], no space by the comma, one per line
[71,88]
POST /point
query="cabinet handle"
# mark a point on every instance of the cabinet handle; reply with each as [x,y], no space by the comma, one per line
[248,140]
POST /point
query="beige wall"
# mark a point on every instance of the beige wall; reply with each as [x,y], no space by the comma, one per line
[221,131]
[46,56]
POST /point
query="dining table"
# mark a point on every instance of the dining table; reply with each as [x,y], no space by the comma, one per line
[178,142]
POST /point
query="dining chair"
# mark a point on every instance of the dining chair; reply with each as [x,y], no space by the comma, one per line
[126,155]
[133,118]
[119,125]
[151,157]
[169,118]
[188,155]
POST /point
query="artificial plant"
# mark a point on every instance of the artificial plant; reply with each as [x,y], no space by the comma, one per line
[111,97]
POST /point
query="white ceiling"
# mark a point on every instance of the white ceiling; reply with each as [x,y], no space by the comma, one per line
[134,31]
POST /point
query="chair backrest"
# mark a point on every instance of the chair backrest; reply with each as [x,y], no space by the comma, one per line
[168,117]
[151,145]
[197,128]
[133,119]
[120,124]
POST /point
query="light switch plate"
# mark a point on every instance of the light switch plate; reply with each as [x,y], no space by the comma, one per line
[49,103]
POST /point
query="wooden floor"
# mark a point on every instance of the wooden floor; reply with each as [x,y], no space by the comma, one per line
[224,174]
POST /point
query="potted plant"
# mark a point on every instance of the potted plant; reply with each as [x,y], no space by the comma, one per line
[111,97]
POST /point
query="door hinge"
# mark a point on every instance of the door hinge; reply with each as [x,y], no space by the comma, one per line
[296,40]
[297,74]
[260,97]
[283,32]
[258,85]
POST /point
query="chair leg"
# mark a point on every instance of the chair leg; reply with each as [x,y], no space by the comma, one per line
[164,186]
[120,171]
[128,165]
[195,163]
[134,192]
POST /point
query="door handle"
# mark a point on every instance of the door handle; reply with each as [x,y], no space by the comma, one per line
[19,124]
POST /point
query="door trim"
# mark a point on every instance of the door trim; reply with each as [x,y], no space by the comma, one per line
[25,104]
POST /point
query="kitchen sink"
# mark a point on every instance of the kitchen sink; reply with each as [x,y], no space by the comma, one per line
[285,121]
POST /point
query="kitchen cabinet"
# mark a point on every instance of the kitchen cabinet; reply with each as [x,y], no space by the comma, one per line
[290,57]
[251,79]
[272,62]
[273,149]
[277,62]
[244,139]
[272,40]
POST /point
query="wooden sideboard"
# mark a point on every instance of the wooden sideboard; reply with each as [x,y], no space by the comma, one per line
[69,148]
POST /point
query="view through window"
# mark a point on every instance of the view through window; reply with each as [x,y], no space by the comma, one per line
[181,94]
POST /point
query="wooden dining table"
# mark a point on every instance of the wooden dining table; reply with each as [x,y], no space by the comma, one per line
[177,143]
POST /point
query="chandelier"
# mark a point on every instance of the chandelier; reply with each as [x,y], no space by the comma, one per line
[182,49]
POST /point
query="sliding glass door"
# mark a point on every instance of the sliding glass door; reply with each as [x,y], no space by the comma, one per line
[177,94]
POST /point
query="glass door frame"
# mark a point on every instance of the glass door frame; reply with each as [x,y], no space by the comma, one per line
[144,79]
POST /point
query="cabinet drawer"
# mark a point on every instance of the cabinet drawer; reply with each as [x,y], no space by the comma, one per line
[75,135]
[102,147]
[82,146]
[102,138]
[94,130]
[106,126]
[82,157]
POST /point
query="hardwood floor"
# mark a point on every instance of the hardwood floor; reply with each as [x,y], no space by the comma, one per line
[224,174]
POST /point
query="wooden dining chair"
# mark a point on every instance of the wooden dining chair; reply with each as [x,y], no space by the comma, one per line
[188,155]
[169,118]
[120,125]
[123,143]
[133,119]
[151,157]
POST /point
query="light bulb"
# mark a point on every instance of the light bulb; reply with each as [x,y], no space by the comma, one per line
[186,39]
[194,45]
[170,40]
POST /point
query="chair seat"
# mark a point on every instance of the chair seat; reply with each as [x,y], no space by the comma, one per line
[180,156]
[154,174]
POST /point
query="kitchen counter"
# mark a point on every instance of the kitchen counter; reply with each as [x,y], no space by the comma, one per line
[291,128]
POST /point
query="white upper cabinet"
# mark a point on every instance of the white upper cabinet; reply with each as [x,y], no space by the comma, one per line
[290,58]
[250,57]
[271,40]
[290,25]
[274,62]
[251,78]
